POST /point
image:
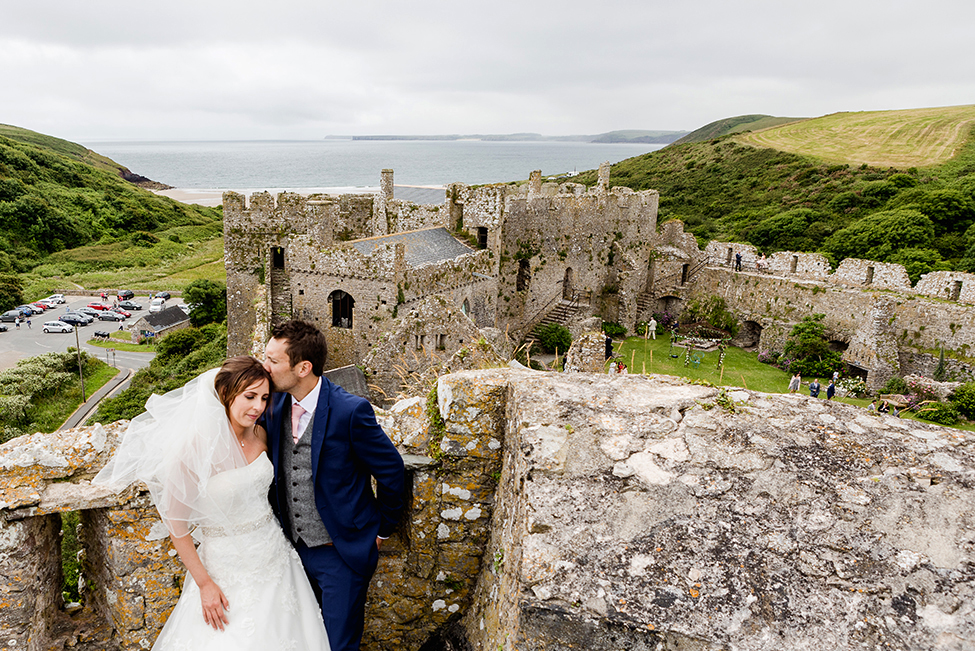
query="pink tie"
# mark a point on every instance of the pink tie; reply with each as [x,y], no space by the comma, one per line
[296,412]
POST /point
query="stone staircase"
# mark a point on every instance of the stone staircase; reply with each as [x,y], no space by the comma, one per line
[280,286]
[563,311]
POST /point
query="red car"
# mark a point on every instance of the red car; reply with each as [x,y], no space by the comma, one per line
[98,306]
[119,310]
[43,306]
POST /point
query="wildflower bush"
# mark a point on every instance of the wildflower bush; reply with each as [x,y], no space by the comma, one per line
[853,386]
[665,320]
[32,379]
[769,357]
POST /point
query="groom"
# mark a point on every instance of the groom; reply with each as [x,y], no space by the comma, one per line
[326,447]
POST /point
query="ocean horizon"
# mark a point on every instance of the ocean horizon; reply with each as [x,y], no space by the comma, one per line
[341,165]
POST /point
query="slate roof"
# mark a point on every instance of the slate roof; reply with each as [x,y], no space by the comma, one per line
[422,247]
[166,318]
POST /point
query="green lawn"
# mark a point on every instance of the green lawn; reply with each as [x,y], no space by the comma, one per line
[741,369]
[48,414]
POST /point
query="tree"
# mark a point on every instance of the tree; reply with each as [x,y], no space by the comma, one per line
[808,348]
[207,301]
[880,235]
[11,292]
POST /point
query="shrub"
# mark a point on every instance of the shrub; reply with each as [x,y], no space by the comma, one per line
[554,337]
[769,357]
[963,398]
[896,385]
[714,311]
[943,413]
[614,329]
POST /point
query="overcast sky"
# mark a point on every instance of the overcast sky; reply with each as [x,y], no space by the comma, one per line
[206,70]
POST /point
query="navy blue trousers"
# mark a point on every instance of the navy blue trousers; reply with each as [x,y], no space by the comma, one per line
[341,593]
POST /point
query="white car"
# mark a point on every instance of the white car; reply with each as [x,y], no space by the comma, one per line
[56,298]
[58,326]
[157,305]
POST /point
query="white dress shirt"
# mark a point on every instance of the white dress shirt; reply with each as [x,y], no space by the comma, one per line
[308,403]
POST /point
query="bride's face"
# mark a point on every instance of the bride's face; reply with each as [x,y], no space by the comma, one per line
[248,405]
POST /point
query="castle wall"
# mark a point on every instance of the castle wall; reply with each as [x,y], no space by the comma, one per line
[596,235]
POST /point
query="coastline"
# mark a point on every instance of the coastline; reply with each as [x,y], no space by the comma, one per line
[214,197]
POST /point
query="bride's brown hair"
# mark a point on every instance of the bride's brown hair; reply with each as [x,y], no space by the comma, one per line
[236,374]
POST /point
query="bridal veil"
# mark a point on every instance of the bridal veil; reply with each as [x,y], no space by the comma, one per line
[176,447]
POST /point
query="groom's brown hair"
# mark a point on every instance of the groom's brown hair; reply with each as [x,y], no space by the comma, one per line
[306,343]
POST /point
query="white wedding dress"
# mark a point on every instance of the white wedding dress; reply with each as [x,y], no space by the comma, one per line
[272,605]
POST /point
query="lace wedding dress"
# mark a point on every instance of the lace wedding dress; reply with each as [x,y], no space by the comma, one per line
[272,606]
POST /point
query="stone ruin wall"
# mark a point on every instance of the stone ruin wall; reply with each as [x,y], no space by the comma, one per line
[579,510]
[601,236]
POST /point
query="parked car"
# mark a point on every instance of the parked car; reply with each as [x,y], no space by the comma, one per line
[130,305]
[108,315]
[29,310]
[126,295]
[44,306]
[48,302]
[157,305]
[119,310]
[57,298]
[95,305]
[3,328]
[75,318]
[163,295]
[11,315]
[58,326]
[93,313]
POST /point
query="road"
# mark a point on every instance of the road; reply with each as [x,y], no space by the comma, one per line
[19,344]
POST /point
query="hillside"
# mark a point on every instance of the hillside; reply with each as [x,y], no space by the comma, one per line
[729,126]
[901,139]
[66,210]
[728,190]
[78,152]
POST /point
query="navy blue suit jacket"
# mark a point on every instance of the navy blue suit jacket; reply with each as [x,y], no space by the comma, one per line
[348,448]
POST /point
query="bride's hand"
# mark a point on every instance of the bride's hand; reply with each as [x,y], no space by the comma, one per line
[215,605]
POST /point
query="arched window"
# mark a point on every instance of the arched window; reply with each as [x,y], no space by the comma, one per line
[342,305]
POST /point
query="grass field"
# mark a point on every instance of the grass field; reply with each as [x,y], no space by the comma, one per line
[901,139]
[741,369]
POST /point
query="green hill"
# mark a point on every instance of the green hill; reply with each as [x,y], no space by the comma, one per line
[727,189]
[737,124]
[57,196]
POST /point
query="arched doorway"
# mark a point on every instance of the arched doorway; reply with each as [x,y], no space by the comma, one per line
[567,289]
[342,307]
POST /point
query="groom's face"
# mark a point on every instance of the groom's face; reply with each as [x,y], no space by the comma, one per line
[284,377]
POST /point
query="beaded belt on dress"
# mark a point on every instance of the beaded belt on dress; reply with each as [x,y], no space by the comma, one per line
[236,530]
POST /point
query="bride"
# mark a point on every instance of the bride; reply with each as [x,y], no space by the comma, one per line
[204,459]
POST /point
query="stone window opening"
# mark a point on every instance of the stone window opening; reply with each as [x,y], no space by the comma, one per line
[955,291]
[795,264]
[524,280]
[482,237]
[728,259]
[683,273]
[277,257]
[567,288]
[419,342]
[869,280]
[466,307]
[342,307]
[441,342]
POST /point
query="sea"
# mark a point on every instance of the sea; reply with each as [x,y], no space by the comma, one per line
[338,164]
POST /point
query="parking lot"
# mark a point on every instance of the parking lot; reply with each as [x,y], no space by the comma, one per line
[26,342]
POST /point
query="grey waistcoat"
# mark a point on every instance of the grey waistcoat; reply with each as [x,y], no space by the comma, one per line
[299,493]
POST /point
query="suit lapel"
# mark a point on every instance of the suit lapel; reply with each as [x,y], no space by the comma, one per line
[319,426]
